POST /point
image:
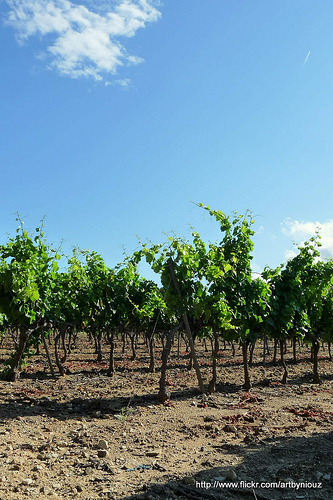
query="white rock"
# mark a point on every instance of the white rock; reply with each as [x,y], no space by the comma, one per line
[28,481]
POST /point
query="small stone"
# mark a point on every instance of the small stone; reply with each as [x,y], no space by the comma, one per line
[62,444]
[97,414]
[27,482]
[319,476]
[327,477]
[231,474]
[46,491]
[188,480]
[103,445]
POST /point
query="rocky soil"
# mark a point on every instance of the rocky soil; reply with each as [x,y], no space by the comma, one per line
[87,436]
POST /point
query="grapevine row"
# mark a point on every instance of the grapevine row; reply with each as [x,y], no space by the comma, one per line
[206,290]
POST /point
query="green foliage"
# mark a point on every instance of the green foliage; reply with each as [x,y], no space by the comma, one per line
[217,289]
[27,275]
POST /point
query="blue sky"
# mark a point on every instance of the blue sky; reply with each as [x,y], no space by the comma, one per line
[116,115]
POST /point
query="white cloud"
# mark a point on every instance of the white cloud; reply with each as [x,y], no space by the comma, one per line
[125,84]
[82,41]
[302,231]
[290,254]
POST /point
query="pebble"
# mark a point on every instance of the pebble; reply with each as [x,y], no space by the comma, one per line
[231,474]
[62,444]
[28,481]
[319,476]
[103,444]
[327,477]
[188,480]
[46,491]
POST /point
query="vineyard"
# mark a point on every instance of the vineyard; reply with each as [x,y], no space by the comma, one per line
[116,386]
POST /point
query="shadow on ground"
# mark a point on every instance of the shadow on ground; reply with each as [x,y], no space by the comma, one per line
[288,460]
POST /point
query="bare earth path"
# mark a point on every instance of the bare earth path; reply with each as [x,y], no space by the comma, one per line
[87,436]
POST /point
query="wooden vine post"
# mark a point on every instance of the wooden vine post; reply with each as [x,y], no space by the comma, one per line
[187,327]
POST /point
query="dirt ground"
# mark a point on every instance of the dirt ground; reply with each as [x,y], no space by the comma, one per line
[90,437]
